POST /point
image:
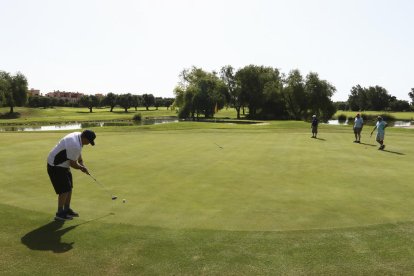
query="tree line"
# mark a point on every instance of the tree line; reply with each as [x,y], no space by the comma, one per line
[13,92]
[125,101]
[264,91]
[374,98]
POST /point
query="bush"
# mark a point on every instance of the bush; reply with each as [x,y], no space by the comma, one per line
[137,117]
[387,117]
[341,117]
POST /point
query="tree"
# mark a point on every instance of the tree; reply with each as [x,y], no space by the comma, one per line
[46,102]
[411,95]
[274,106]
[110,100]
[33,101]
[399,105]
[378,98]
[136,101]
[14,89]
[199,93]
[371,98]
[253,80]
[294,95]
[4,86]
[148,100]
[233,88]
[318,93]
[341,105]
[251,89]
[168,102]
[90,102]
[125,101]
[158,101]
[358,99]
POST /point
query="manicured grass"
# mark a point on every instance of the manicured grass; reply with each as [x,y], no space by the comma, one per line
[24,115]
[69,114]
[270,201]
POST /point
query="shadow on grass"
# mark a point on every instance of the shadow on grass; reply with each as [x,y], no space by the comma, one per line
[48,238]
[365,144]
[13,115]
[394,152]
[320,139]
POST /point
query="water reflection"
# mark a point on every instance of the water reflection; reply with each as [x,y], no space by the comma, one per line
[74,126]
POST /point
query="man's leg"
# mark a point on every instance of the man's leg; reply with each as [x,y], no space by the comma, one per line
[62,198]
[61,215]
[67,200]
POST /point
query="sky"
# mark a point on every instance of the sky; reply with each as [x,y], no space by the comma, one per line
[141,46]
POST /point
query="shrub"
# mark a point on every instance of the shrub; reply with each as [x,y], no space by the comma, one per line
[341,117]
[387,117]
[137,117]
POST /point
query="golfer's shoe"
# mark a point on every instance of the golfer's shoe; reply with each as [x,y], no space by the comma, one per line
[62,216]
[383,147]
[71,213]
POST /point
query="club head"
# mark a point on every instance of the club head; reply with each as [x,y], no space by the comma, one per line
[114,197]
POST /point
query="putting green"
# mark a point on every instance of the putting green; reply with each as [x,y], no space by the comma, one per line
[262,179]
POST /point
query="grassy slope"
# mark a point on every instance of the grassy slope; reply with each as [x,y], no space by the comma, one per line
[271,201]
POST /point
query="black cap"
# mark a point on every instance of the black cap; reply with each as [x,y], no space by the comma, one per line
[90,135]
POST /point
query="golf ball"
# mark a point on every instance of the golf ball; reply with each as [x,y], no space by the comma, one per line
[124,200]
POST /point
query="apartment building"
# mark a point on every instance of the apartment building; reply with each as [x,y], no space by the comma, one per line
[72,97]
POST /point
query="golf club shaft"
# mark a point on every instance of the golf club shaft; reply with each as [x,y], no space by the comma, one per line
[101,185]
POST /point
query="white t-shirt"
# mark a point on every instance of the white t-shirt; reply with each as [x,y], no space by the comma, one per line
[381,127]
[358,122]
[68,148]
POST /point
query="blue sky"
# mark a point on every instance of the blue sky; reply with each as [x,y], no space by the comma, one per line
[141,46]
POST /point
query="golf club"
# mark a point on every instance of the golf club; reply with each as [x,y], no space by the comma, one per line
[112,196]
[218,146]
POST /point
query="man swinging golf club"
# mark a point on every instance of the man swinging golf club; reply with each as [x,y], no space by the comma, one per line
[66,154]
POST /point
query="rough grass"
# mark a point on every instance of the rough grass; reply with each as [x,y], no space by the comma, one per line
[270,201]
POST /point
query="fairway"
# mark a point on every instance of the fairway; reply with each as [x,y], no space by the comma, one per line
[213,199]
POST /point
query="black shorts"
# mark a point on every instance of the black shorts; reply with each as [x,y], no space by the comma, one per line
[61,179]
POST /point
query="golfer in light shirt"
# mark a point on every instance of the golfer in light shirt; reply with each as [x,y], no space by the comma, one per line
[67,154]
[380,127]
[359,123]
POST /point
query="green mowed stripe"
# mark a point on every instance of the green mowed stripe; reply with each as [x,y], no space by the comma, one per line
[32,244]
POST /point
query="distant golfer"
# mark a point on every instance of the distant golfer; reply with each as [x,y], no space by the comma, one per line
[314,126]
[380,127]
[359,123]
[66,154]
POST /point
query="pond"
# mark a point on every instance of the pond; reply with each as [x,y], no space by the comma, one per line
[391,123]
[74,126]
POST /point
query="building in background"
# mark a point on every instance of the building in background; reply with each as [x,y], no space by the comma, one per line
[33,92]
[72,97]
